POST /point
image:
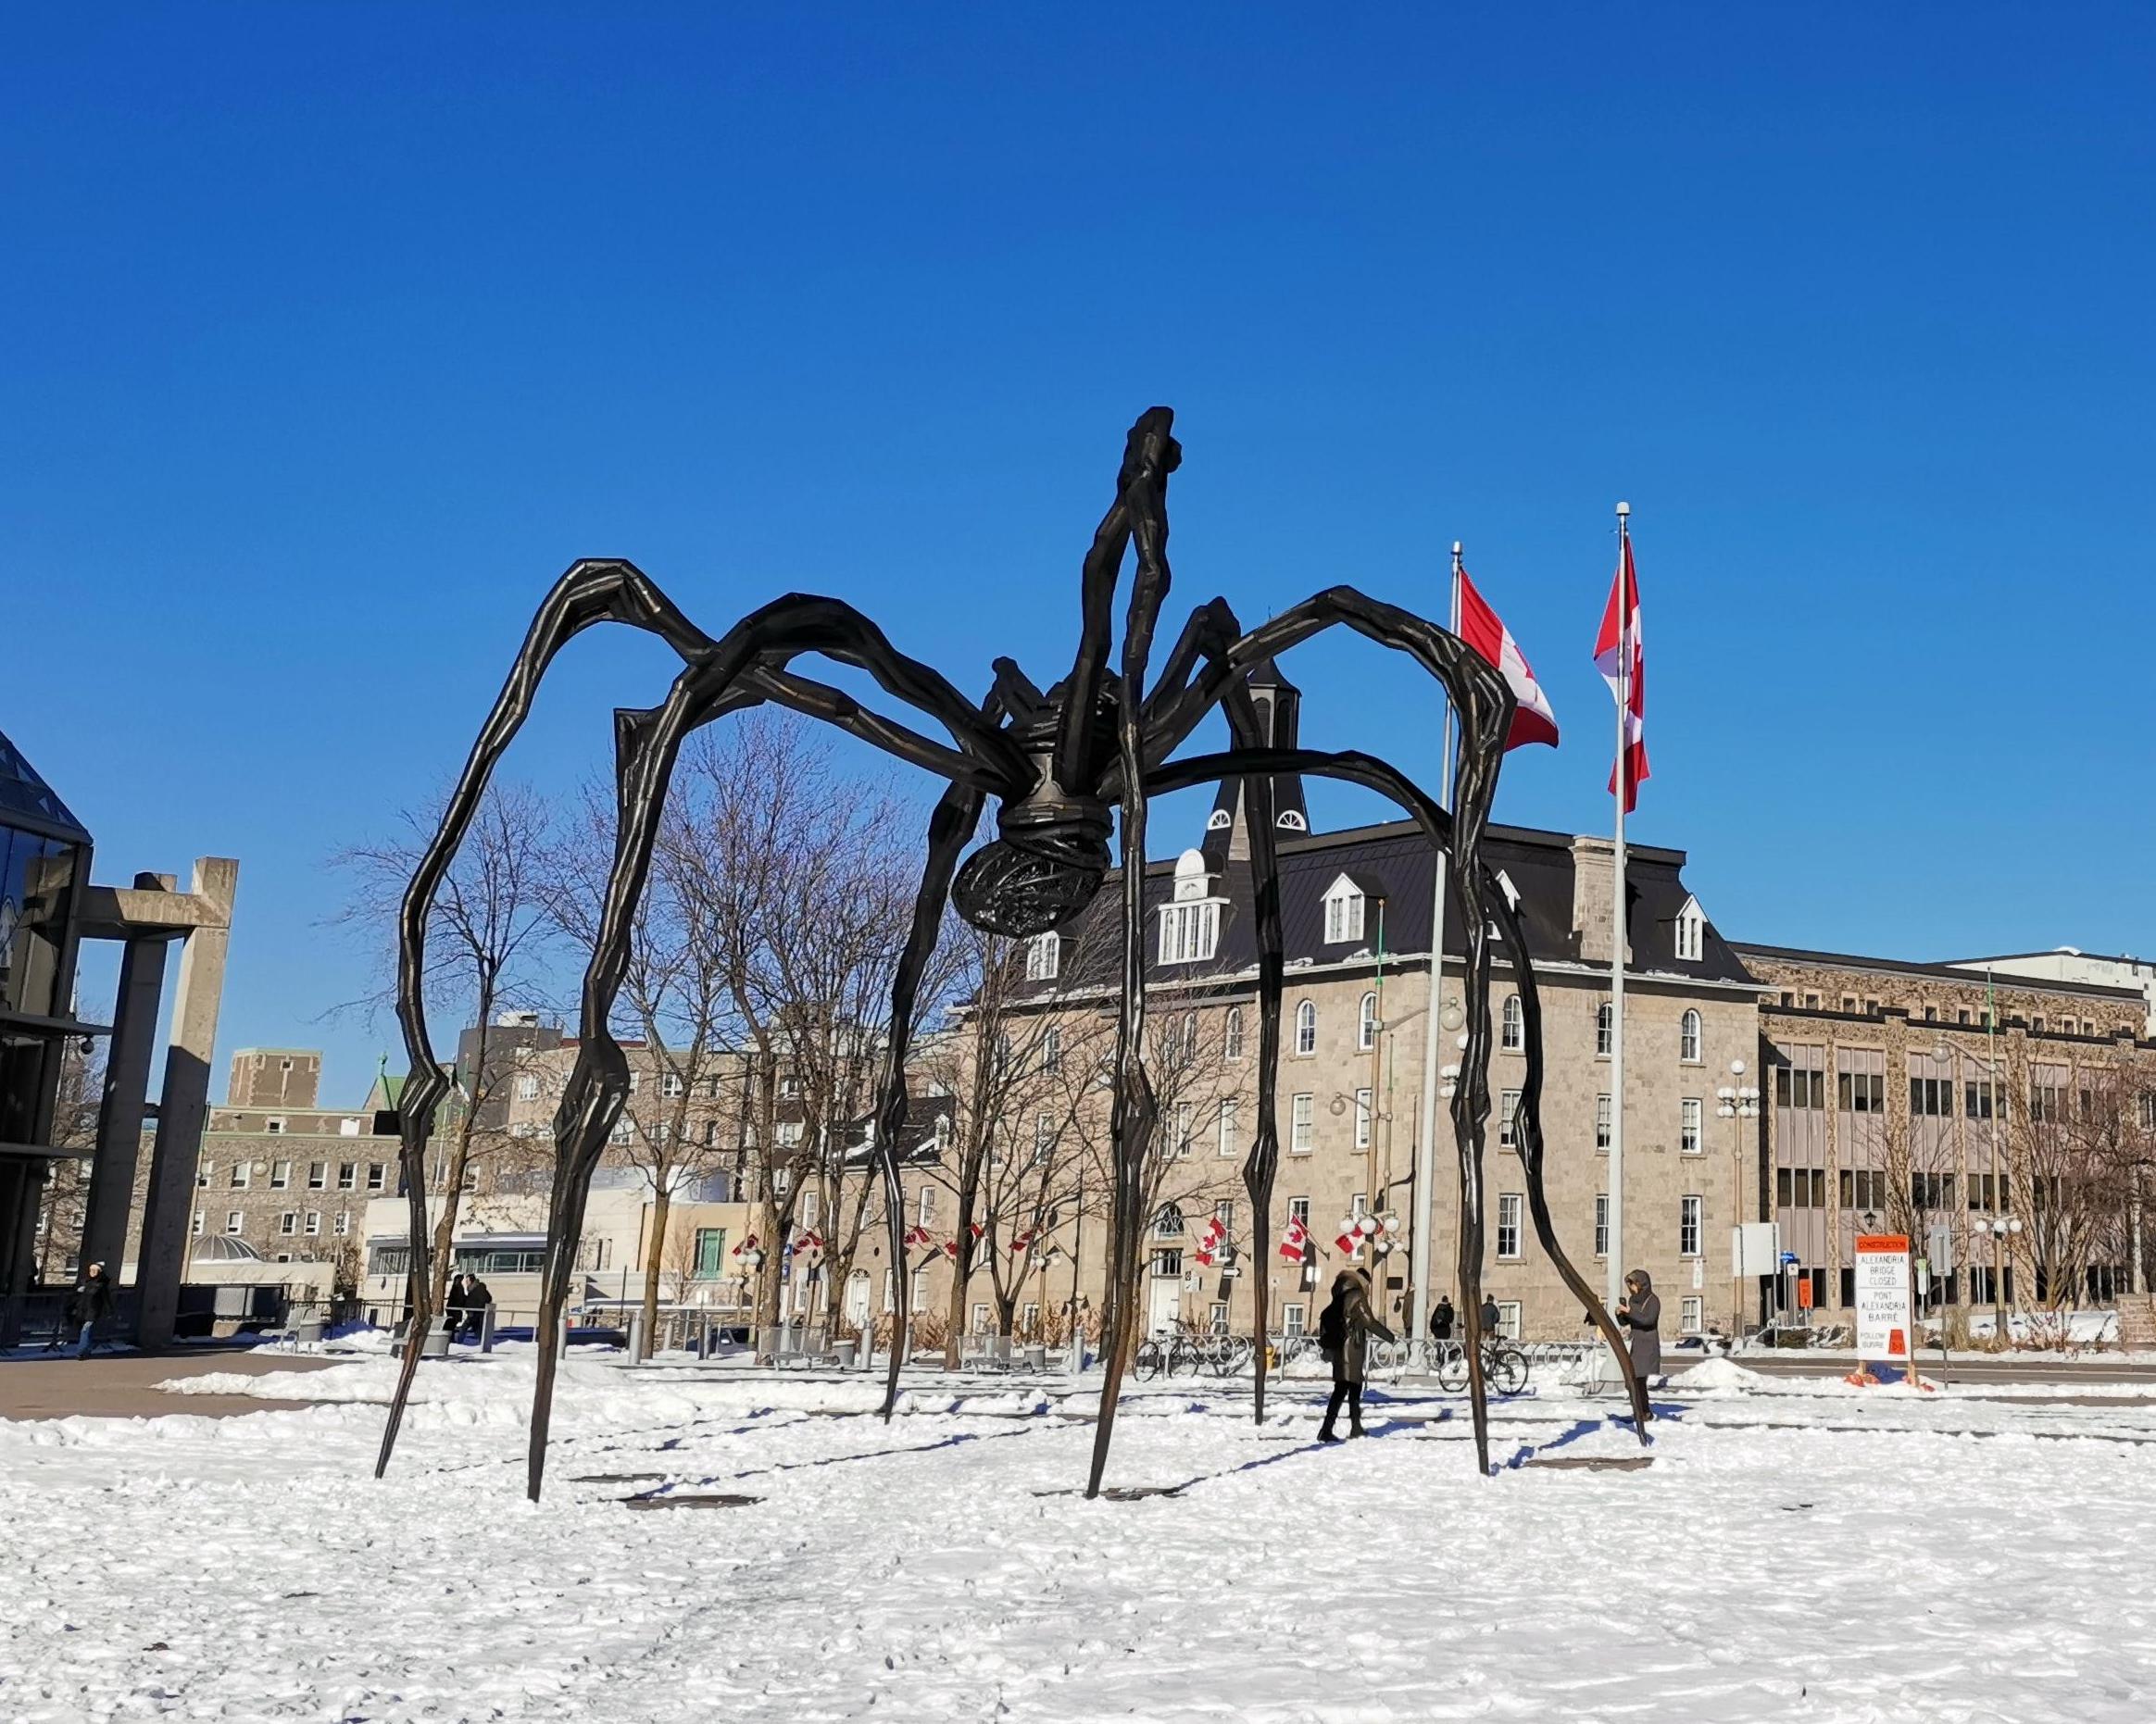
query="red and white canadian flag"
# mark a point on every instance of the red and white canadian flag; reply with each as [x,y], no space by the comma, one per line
[1294,1239]
[1209,1243]
[1479,627]
[918,1236]
[1621,661]
[1351,1239]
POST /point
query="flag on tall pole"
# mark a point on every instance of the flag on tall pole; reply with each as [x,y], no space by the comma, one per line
[1480,628]
[1622,662]
[1618,657]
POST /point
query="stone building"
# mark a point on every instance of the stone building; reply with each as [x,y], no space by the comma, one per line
[1355,908]
[1928,1099]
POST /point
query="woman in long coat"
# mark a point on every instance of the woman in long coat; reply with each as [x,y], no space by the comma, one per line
[1640,1314]
[1344,1334]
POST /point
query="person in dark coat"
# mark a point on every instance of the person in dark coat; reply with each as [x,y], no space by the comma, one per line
[1442,1318]
[1490,1319]
[1344,1333]
[466,1307]
[88,1305]
[1639,1314]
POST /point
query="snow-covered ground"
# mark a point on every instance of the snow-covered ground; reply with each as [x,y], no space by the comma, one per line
[1845,1554]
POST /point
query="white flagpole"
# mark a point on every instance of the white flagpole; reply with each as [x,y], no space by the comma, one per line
[1615,1279]
[1433,1030]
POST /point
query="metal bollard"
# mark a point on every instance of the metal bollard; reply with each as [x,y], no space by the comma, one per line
[486,1329]
[637,1338]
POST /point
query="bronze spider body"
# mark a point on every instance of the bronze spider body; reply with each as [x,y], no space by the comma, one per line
[1062,766]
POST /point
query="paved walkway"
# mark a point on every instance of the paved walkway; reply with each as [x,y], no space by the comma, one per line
[123,1385]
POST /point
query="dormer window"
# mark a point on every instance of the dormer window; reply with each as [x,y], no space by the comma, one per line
[1190,923]
[1691,933]
[1345,901]
[1044,957]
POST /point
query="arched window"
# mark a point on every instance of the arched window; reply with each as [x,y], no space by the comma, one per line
[1605,1022]
[1689,1037]
[1305,1028]
[1366,1022]
[1189,1036]
[1512,1027]
[1232,1034]
[1167,1222]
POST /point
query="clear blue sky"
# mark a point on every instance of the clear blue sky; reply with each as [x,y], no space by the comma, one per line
[333,333]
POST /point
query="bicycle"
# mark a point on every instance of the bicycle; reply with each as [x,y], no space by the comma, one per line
[1505,1368]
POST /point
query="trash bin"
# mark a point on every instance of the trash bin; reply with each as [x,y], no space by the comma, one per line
[436,1345]
[843,1353]
[1036,1358]
[308,1332]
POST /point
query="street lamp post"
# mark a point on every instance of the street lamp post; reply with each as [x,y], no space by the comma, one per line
[2000,1225]
[1737,1101]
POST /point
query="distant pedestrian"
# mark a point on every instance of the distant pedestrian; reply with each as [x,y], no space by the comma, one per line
[88,1305]
[1490,1319]
[1442,1318]
[1344,1333]
[1639,1314]
[464,1308]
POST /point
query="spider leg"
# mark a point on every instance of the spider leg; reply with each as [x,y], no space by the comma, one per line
[1389,780]
[949,829]
[1134,1110]
[1211,630]
[591,590]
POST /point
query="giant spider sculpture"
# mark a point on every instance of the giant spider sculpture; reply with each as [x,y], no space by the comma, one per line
[1061,767]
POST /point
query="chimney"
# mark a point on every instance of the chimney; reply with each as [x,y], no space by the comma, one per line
[1594,874]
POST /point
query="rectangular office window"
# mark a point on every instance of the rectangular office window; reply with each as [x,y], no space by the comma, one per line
[1508,1225]
[927,1210]
[203,1172]
[313,1221]
[377,1175]
[1861,1091]
[347,1176]
[1302,1112]
[1298,1209]
[1231,1139]
[1601,1224]
[1362,1118]
[1508,1119]
[1693,1311]
[318,1175]
[242,1171]
[528,1087]
[235,1222]
[1509,1318]
[288,1223]
[1602,1122]
[1689,1139]
[344,1226]
[1688,1222]
[1292,1319]
[193,1227]
[1933,1097]
[280,1175]
[1185,1113]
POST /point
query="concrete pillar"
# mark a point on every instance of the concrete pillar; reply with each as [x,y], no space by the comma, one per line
[170,1205]
[127,1083]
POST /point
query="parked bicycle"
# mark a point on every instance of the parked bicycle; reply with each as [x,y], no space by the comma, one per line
[1505,1366]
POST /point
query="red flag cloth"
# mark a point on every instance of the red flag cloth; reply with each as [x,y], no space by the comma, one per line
[1294,1239]
[1618,642]
[1534,721]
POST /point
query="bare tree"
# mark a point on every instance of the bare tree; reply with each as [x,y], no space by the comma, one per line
[676,1001]
[2077,1146]
[64,1197]
[487,940]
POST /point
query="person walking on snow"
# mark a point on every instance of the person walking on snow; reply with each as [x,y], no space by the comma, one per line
[88,1305]
[1441,1319]
[1639,1314]
[1344,1333]
[1489,1319]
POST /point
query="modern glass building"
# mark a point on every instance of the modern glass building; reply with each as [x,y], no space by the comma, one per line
[45,870]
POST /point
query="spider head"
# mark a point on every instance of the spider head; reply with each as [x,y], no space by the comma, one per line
[1049,858]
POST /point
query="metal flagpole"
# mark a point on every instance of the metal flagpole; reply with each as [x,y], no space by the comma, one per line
[1433,1029]
[1613,1286]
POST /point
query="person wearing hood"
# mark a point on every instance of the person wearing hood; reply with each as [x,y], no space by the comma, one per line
[1344,1333]
[1441,1319]
[1639,1314]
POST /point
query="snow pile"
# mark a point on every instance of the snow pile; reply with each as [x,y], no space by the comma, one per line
[1721,1376]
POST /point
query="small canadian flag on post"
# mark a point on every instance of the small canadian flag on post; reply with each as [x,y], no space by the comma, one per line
[1622,662]
[1532,721]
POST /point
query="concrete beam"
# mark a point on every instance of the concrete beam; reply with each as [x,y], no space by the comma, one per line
[183,1105]
[127,1083]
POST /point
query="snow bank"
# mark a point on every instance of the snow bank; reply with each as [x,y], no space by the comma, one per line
[1721,1376]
